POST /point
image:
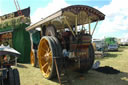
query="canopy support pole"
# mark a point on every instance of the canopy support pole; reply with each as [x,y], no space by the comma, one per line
[69,26]
[89,27]
[76,24]
[95,27]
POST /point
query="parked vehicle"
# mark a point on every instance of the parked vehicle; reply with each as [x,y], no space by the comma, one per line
[61,43]
[112,43]
[124,41]
[100,47]
[100,44]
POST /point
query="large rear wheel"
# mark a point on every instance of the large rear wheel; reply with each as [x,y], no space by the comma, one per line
[47,52]
[87,62]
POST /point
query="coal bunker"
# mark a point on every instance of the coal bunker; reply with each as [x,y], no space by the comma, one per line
[107,70]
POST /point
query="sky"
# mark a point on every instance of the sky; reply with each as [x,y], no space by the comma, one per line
[116,13]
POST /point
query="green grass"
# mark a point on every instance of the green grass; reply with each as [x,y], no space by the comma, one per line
[118,60]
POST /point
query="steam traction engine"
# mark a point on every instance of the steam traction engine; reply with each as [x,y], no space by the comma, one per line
[64,37]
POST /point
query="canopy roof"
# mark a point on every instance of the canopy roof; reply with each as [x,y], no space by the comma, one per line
[84,14]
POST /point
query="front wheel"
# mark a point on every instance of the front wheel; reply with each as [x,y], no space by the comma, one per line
[33,58]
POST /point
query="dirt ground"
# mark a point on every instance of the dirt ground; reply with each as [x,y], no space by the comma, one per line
[118,60]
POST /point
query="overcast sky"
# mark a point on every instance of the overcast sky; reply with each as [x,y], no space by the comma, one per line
[116,11]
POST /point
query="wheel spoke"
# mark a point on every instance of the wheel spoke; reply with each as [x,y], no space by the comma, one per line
[48,69]
[47,56]
[43,49]
[49,50]
[45,65]
[42,58]
[50,53]
[46,44]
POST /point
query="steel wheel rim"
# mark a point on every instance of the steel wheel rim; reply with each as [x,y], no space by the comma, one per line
[45,57]
[32,58]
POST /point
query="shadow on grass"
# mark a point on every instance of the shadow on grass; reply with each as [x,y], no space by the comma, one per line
[21,66]
[97,78]
[126,46]
[109,55]
[65,78]
[123,47]
[94,78]
[120,50]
